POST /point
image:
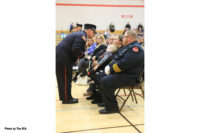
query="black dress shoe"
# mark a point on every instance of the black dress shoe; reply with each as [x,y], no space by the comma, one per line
[96,101]
[104,111]
[91,97]
[101,104]
[70,101]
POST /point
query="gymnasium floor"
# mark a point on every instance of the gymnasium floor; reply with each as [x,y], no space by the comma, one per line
[84,117]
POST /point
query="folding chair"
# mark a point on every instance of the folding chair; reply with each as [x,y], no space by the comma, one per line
[130,88]
[131,91]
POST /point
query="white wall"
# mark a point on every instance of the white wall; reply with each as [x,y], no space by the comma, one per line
[101,16]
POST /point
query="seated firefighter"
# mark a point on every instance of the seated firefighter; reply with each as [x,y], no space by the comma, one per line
[122,71]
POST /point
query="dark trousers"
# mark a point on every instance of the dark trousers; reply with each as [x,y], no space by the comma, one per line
[98,76]
[64,79]
[109,84]
[83,65]
[95,76]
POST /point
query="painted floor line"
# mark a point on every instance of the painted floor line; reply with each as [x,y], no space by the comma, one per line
[83,98]
[139,125]
[142,106]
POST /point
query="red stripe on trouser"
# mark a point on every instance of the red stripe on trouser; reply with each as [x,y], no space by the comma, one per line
[65,83]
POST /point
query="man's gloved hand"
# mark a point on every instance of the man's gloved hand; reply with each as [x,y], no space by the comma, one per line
[107,69]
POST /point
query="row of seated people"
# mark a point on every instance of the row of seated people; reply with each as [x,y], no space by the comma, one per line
[102,60]
[95,47]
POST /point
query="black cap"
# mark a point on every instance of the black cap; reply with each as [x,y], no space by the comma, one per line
[79,25]
[90,26]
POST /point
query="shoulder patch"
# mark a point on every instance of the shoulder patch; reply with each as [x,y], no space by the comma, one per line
[135,49]
[84,38]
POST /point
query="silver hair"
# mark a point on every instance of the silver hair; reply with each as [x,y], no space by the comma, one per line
[132,34]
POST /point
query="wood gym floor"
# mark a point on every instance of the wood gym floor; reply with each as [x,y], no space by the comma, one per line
[84,117]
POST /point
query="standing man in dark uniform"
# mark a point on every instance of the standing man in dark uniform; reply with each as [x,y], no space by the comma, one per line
[68,51]
[122,71]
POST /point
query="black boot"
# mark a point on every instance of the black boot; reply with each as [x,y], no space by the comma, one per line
[97,99]
[92,96]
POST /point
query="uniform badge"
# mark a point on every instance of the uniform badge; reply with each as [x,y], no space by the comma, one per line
[83,37]
[135,49]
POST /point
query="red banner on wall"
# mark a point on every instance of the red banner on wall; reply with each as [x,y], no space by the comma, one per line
[127,16]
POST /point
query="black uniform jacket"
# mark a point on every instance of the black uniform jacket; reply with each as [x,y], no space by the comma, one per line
[99,51]
[72,46]
[129,60]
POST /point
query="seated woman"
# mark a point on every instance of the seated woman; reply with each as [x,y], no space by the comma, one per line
[90,46]
[100,48]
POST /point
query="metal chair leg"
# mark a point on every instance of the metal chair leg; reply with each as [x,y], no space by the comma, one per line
[124,92]
[125,100]
[118,91]
[131,95]
[142,92]
[135,96]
